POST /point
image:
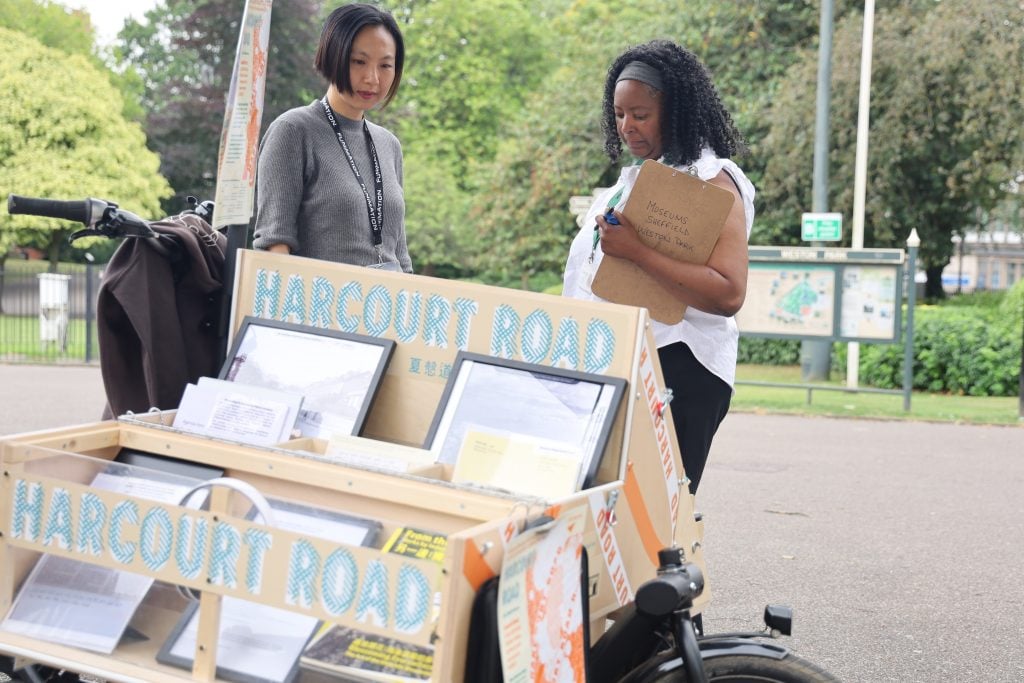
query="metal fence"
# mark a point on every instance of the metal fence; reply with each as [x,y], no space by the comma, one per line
[48,317]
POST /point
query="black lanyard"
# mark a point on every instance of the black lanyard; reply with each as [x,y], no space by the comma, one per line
[375,211]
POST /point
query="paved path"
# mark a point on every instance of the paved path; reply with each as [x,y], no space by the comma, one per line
[900,545]
[44,396]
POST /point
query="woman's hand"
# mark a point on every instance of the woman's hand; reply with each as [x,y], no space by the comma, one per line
[620,240]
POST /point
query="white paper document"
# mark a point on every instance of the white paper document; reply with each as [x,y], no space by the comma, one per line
[523,464]
[237,412]
[545,419]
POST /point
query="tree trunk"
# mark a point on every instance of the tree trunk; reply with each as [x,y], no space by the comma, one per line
[933,285]
[53,250]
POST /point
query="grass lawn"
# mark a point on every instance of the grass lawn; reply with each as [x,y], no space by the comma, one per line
[923,406]
[19,342]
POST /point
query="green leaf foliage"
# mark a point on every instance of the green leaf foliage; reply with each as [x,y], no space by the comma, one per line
[467,74]
[973,351]
[52,24]
[1012,304]
[768,351]
[69,31]
[64,137]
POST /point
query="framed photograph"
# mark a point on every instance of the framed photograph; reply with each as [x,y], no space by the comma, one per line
[498,409]
[258,643]
[337,372]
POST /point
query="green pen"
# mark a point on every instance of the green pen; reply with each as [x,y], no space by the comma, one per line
[608,216]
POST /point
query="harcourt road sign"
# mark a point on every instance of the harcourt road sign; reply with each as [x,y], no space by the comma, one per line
[822,227]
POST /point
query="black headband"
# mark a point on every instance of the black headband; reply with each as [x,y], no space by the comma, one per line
[643,72]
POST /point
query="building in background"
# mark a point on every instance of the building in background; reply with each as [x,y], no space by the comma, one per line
[985,261]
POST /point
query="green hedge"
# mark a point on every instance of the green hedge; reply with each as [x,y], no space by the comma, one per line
[959,348]
[764,351]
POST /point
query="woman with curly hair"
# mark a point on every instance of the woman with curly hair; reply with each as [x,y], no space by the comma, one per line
[660,101]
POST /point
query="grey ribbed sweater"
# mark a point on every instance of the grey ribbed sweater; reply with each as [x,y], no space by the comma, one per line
[308,198]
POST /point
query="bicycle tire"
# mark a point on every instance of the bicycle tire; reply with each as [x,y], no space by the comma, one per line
[747,669]
[750,669]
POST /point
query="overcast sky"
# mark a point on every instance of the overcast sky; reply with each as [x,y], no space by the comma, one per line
[108,15]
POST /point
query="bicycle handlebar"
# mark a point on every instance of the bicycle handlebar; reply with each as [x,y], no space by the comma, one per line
[669,591]
[86,211]
[100,217]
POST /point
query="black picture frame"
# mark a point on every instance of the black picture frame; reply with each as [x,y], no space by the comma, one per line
[165,463]
[339,373]
[594,399]
[166,654]
[371,528]
[371,532]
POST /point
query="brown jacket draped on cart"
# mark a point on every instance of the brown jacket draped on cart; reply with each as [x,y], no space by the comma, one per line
[157,320]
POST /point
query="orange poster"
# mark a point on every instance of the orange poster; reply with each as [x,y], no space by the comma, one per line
[540,603]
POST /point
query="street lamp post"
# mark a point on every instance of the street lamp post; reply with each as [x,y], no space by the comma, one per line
[90,305]
[1020,226]
[913,242]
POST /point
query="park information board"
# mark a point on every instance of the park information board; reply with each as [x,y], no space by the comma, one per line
[823,293]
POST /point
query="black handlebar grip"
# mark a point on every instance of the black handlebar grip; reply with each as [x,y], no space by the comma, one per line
[669,591]
[78,211]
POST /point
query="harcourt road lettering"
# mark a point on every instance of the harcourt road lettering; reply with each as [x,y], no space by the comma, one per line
[434,320]
[186,545]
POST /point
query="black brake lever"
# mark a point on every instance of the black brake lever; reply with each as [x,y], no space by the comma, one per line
[91,232]
[88,232]
[115,223]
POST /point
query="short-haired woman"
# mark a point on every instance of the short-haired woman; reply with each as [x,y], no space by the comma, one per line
[329,182]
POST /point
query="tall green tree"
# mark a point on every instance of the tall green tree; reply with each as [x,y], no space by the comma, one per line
[53,25]
[69,31]
[62,136]
[945,133]
[184,54]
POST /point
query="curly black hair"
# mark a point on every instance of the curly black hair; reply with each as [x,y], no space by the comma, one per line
[693,116]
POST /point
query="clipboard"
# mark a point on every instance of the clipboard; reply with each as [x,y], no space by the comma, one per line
[675,213]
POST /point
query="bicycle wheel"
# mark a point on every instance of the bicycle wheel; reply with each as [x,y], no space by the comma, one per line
[746,669]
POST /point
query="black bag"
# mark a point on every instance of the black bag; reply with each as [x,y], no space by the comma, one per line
[483,652]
